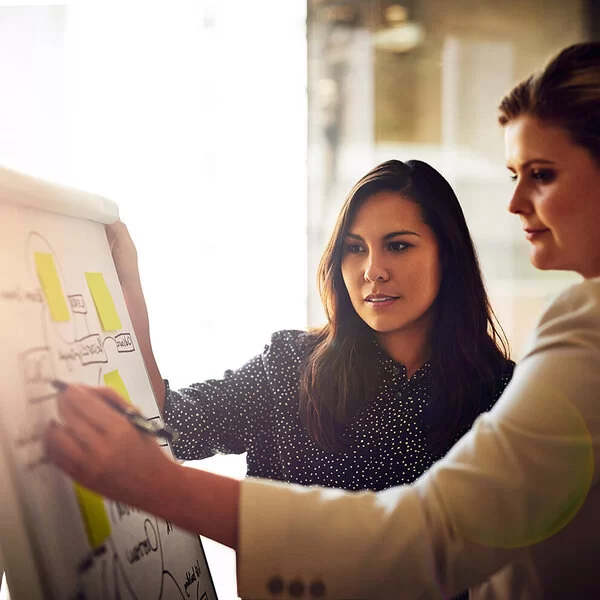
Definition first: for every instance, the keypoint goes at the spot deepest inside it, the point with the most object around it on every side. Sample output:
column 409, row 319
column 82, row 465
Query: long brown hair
column 469, row 350
column 565, row 93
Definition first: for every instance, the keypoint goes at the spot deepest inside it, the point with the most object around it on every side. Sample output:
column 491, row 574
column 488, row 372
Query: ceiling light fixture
column 399, row 35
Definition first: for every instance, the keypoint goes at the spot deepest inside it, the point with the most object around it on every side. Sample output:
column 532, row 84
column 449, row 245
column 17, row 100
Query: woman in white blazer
column 513, row 510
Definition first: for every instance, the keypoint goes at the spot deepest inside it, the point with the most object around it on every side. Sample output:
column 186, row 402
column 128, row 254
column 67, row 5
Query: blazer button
column 317, row 589
column 296, row 588
column 275, row 586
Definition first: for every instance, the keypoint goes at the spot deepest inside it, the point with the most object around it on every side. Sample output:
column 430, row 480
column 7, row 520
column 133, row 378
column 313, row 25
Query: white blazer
column 512, row 511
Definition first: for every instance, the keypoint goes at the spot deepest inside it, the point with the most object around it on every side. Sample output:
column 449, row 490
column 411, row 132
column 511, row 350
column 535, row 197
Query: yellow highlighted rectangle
column 48, row 275
column 105, row 307
column 94, row 515
column 113, row 380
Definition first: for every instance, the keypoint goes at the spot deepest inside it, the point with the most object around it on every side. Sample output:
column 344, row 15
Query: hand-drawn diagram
column 87, row 547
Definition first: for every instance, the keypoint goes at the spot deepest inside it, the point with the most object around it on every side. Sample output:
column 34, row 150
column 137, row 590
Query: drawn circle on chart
column 137, row 545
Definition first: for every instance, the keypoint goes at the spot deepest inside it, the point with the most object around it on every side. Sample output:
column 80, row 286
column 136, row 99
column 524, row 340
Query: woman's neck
column 409, row 347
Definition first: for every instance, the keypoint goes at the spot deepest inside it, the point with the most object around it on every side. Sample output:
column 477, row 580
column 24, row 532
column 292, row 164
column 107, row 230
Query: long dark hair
column 469, row 349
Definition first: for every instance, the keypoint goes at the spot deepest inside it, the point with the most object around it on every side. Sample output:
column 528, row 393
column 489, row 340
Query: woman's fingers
column 123, row 252
column 87, row 431
column 118, row 237
column 100, row 448
column 77, row 459
column 65, row 451
column 84, row 403
column 94, row 419
column 96, row 445
column 110, row 395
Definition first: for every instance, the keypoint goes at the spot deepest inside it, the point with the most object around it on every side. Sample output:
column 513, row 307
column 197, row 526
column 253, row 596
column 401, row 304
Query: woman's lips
column 380, row 301
column 532, row 234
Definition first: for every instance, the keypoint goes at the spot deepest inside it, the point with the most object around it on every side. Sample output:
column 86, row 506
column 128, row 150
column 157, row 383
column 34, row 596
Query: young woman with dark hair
column 408, row 358
column 465, row 350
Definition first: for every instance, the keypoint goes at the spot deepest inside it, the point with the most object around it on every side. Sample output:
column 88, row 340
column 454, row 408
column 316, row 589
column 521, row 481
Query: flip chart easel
column 63, row 316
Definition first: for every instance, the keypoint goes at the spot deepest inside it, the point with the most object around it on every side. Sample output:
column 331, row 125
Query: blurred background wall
column 422, row 79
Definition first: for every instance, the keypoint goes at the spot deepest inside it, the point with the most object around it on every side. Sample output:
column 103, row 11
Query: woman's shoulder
column 581, row 297
column 292, row 337
column 506, row 368
column 289, row 343
column 287, row 336
column 572, row 314
column 505, row 373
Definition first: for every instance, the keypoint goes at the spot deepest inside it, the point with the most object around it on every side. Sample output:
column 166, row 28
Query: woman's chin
column 541, row 260
column 545, row 264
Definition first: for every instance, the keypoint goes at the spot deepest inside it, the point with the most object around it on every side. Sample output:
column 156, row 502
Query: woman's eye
column 353, row 248
column 542, row 175
column 398, row 246
column 513, row 177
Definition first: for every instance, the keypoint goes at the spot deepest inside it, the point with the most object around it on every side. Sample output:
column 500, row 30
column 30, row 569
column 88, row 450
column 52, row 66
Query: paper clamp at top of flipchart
column 18, row 188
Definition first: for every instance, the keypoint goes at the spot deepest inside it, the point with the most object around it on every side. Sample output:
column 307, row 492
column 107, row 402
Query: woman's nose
column 376, row 271
column 519, row 203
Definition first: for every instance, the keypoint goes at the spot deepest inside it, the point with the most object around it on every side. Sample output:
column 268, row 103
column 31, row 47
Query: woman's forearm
column 142, row 332
column 136, row 304
column 125, row 259
column 198, row 501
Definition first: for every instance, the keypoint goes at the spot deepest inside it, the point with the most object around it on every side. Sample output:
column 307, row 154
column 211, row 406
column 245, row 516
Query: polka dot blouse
column 254, row 409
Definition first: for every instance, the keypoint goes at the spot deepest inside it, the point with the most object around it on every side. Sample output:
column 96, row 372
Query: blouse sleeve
column 226, row 415
column 492, row 498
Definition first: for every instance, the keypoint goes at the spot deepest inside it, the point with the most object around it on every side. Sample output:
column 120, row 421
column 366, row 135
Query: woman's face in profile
column 557, row 195
column 390, row 264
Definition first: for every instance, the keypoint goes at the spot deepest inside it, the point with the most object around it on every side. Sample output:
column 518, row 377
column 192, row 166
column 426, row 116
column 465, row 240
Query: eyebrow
column 387, row 236
column 530, row 162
